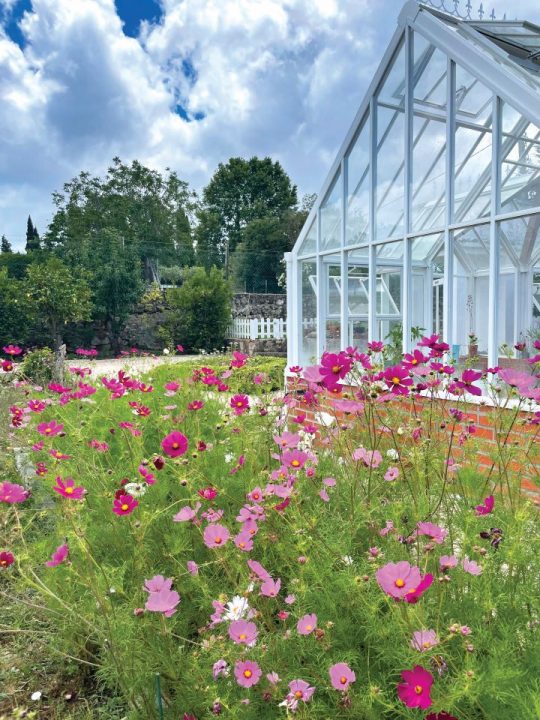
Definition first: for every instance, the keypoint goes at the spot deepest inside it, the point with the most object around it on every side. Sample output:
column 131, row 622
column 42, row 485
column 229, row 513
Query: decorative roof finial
column 456, row 12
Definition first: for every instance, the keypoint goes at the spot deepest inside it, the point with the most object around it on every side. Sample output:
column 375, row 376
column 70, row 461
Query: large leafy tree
column 57, row 296
column 240, row 192
column 151, row 212
column 14, row 310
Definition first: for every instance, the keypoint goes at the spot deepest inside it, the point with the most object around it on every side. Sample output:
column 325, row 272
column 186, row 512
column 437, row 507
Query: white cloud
column 277, row 77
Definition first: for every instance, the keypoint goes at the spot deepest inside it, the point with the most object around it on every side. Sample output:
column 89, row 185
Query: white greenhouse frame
column 468, row 236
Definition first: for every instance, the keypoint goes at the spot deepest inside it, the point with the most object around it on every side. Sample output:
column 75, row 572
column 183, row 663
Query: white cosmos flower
column 236, row 609
column 347, row 559
column 229, row 457
column 392, row 454
column 136, row 489
column 36, row 695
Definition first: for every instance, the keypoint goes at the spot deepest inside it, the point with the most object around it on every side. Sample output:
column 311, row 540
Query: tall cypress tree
column 5, row 245
column 32, row 236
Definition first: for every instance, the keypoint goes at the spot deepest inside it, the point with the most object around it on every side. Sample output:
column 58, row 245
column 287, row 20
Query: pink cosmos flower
column 391, row 474
column 259, row 570
column 208, row 493
column 174, row 444
column 66, row 488
column 423, row 640
column 239, row 359
column 334, row 367
column 295, row 459
column 215, row 535
column 370, row 458
column 11, row 493
column 124, row 505
column 192, row 567
column 416, row 593
column 12, row 349
column 307, row 624
column 6, row 559
column 58, row 556
column 50, row 429
column 398, row 379
column 195, row 405
column 436, row 533
column 341, row 676
column 398, row 579
column 270, row 588
column 240, row 404
column 36, row 406
column 57, row 455
column 523, row 382
column 301, row 690
column 244, row 542
column 247, row 673
column 220, row 668
column 186, row 513
column 447, row 561
column 468, row 377
column 287, row 440
column 487, row 507
column 273, row 678
column 471, row 567
column 243, row 632
column 161, row 597
column 415, row 690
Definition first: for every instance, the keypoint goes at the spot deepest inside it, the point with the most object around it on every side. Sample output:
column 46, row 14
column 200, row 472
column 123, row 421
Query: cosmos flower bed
column 209, row 552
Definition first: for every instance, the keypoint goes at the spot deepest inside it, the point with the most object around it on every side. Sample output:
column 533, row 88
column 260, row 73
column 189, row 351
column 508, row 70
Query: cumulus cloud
column 209, row 79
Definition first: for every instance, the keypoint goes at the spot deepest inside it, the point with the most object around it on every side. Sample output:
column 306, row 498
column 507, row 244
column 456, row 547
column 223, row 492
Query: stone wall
column 253, row 305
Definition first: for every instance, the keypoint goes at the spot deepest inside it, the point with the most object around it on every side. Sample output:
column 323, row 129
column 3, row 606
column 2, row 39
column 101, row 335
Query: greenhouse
column 429, row 219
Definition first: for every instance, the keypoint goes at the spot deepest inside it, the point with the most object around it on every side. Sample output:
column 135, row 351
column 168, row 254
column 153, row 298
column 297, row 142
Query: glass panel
column 428, row 173
column 331, row 216
column 358, row 188
column 358, row 298
column 309, row 244
column 308, row 341
column 332, row 273
column 393, row 88
column 519, row 307
column 473, row 99
column 472, row 173
column 520, row 172
column 390, row 160
column 389, row 271
column 430, row 67
column 427, row 254
column 471, row 287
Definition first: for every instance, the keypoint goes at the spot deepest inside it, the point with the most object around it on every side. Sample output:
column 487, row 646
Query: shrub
column 38, row 366
column 369, row 558
column 200, row 310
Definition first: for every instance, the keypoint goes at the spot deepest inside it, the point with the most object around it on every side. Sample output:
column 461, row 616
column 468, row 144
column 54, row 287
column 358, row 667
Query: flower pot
column 473, row 351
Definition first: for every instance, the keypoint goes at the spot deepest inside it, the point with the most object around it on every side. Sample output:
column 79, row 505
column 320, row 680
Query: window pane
column 473, row 99
column 520, row 172
column 331, row 216
column 393, row 88
column 472, row 173
column 308, row 342
column 390, row 159
column 430, row 67
column 471, row 286
column 358, row 188
column 389, row 272
column 358, row 283
column 427, row 288
column 332, row 273
column 309, row 244
column 428, row 173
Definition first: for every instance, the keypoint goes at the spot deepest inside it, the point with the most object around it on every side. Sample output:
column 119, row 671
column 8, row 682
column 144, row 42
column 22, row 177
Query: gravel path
column 132, row 364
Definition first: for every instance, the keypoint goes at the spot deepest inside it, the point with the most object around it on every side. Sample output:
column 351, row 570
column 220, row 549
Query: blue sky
column 184, row 84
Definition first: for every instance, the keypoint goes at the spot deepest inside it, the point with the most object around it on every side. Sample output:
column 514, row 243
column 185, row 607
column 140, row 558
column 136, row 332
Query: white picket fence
column 257, row 329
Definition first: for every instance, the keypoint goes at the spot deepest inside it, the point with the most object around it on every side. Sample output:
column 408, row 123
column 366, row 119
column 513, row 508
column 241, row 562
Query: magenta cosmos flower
column 307, row 624
column 398, row 579
column 50, row 429
column 301, row 690
column 468, row 377
column 66, row 488
column 215, row 535
column 247, row 673
column 416, row 593
column 487, row 506
column 398, row 379
column 341, row 676
column 243, row 632
column 12, row 349
column 6, row 559
column 240, row 404
column 124, row 505
column 423, row 640
column 334, row 367
column 11, row 493
column 58, row 556
column 414, row 691
column 174, row 444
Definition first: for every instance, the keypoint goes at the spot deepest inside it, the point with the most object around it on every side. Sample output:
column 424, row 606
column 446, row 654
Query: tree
column 14, row 311
column 57, row 296
column 242, row 191
column 150, row 211
column 32, row 236
column 5, row 246
column 200, row 310
column 209, row 243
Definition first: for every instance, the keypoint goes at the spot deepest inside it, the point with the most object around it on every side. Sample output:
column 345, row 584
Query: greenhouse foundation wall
column 522, row 435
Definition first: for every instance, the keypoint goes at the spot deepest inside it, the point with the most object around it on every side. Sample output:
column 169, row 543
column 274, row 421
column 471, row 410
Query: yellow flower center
column 299, row 694
column 242, row 637
column 48, row 430
column 418, row 689
column 295, row 463
column 68, row 490
column 242, row 544
column 3, row 562
column 336, row 369
column 217, row 540
column 343, row 679
column 309, row 627
column 414, row 362
column 426, row 644
column 395, row 380
column 247, row 673
column 124, row 506
column 239, row 403
column 175, row 446
column 399, row 583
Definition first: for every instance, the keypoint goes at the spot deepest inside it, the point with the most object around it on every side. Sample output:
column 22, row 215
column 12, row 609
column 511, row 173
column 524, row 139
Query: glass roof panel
column 473, row 99
column 309, row 245
column 429, row 73
column 331, row 216
column 393, row 88
column 520, row 172
column 358, row 188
